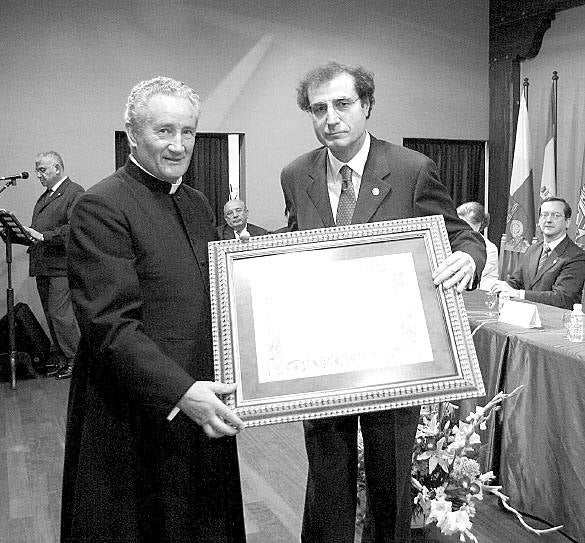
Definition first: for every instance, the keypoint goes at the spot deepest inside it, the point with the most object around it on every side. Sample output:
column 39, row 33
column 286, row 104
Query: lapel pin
column 375, row 191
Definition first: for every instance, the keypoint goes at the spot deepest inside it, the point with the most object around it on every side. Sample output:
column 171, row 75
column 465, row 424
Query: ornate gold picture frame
column 339, row 321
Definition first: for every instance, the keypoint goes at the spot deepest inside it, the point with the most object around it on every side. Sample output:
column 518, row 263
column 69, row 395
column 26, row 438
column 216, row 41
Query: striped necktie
column 346, row 204
column 543, row 257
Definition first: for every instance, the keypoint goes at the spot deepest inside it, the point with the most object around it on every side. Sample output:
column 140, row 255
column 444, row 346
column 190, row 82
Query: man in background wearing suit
column 48, row 256
column 356, row 178
column 237, row 226
column 552, row 271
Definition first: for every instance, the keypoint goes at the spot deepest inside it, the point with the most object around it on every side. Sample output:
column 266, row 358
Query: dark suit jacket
column 138, row 272
column 51, row 217
column 397, row 183
column 226, row 232
column 559, row 282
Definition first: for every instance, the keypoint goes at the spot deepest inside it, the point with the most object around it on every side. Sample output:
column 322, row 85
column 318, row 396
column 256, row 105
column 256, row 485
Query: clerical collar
column 168, row 188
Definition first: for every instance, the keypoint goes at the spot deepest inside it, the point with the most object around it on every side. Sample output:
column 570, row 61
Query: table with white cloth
column 536, row 444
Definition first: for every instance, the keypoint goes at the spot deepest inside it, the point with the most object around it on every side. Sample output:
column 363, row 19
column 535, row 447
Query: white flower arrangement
column 446, row 476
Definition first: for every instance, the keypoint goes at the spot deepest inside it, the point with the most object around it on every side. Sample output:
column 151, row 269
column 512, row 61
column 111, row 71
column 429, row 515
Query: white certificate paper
column 296, row 339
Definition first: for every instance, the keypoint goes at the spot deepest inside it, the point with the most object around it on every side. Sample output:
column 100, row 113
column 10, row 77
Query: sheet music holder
column 18, row 234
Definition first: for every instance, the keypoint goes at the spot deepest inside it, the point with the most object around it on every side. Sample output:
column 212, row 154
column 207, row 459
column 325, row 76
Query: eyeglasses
column 234, row 212
column 340, row 105
column 554, row 215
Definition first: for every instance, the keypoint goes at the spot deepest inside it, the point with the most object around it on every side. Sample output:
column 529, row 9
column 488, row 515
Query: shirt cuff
column 470, row 284
column 174, row 412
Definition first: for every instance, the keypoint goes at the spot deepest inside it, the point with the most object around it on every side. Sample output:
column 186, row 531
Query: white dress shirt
column 357, row 165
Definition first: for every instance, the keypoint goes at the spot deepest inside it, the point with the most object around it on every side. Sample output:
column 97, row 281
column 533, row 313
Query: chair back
column 510, row 253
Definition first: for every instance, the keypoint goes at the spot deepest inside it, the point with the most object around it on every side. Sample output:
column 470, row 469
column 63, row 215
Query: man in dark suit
column 141, row 463
column 237, row 226
column 320, row 190
column 48, row 256
column 552, row 271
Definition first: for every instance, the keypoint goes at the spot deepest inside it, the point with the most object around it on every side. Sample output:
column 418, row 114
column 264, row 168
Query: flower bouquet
column 446, row 476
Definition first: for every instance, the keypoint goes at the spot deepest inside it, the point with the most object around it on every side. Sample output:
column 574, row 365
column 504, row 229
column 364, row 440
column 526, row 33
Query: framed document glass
column 339, row 321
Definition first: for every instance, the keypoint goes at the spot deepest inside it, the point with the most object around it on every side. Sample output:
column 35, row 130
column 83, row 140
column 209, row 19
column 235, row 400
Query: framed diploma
column 339, row 321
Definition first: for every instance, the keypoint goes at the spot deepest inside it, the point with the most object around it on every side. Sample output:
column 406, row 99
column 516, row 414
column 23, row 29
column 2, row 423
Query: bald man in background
column 235, row 214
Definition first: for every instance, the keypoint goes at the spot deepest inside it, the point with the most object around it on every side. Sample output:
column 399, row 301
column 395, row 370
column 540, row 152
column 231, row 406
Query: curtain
column 460, row 163
column 208, row 171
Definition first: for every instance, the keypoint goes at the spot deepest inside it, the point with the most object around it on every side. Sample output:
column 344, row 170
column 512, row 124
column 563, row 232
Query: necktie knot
column 345, row 172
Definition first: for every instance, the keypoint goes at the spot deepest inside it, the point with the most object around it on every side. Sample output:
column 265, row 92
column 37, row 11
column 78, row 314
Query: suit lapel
column 43, row 201
column 552, row 259
column 317, row 188
column 59, row 192
column 375, row 185
column 228, row 233
column 374, row 188
column 533, row 264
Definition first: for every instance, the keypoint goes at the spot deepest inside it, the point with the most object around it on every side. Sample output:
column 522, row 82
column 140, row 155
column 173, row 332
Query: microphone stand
column 12, row 353
column 10, row 182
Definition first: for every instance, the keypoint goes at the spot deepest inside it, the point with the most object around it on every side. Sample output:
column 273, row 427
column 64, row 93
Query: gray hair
column 53, row 155
column 134, row 115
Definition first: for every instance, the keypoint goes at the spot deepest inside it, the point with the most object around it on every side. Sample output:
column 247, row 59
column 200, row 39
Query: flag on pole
column 580, row 220
column 548, row 182
column 520, row 217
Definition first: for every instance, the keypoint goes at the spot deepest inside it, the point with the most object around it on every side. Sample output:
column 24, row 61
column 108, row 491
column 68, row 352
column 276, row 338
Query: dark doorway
column 461, row 165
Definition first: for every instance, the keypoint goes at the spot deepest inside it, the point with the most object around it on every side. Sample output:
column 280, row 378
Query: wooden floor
column 272, row 463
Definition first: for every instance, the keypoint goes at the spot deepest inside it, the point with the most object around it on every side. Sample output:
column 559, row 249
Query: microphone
column 22, row 175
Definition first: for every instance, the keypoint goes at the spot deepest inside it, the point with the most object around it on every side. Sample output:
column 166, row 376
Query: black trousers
column 330, row 501
column 56, row 301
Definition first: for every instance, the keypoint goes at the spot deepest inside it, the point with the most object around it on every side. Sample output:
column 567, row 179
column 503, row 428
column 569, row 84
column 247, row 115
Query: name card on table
column 520, row 314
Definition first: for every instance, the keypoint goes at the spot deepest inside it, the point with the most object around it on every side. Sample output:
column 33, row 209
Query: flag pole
column 548, row 178
column 555, row 79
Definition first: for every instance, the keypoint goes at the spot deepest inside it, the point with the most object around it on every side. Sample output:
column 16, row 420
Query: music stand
column 11, row 232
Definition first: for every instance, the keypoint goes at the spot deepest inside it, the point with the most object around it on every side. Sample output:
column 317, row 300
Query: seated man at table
column 552, row 271
column 237, row 226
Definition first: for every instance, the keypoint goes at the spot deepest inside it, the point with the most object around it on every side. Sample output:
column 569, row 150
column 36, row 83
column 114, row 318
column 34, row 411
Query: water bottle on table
column 577, row 327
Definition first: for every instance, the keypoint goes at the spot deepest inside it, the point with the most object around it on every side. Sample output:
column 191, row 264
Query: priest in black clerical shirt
column 142, row 462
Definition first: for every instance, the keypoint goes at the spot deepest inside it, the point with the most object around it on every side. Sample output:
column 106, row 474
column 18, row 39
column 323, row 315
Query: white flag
column 548, row 182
